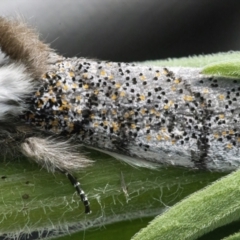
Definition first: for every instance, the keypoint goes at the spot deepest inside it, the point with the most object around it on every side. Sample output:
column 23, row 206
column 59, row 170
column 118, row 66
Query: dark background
column 132, row 30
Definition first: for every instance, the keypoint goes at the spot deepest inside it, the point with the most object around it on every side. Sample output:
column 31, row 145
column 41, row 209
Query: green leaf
column 235, row 236
column 196, row 61
column 219, row 64
column 111, row 231
column 203, row 211
column 224, row 69
column 34, row 200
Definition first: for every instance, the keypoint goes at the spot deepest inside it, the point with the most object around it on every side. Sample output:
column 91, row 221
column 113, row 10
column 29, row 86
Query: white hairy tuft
column 53, row 154
column 15, row 85
column 3, row 58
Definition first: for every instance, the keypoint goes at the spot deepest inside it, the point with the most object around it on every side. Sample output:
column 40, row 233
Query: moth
column 141, row 114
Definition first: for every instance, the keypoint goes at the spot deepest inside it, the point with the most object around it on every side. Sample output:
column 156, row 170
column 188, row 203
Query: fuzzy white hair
column 15, row 85
column 3, row 58
column 54, row 155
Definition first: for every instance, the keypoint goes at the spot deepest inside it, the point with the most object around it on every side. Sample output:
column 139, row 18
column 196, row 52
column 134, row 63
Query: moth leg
column 79, row 190
column 56, row 155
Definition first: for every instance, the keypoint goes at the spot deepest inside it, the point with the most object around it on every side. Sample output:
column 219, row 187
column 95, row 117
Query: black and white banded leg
column 80, row 192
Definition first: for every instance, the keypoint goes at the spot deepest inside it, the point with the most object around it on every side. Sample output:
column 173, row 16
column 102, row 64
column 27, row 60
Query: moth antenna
column 79, row 190
column 21, row 43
